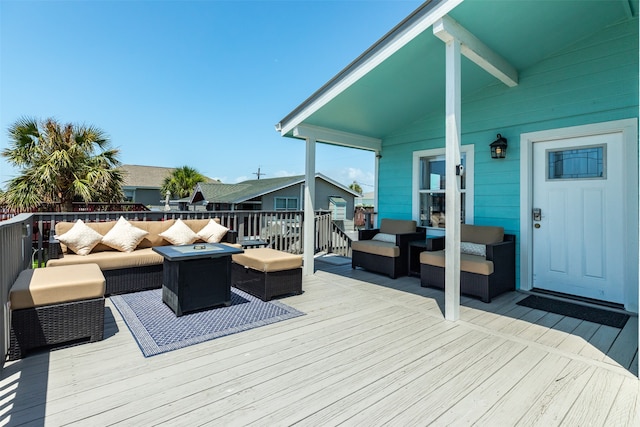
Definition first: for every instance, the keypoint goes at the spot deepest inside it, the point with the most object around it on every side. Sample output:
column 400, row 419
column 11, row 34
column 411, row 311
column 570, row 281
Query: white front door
column 578, row 216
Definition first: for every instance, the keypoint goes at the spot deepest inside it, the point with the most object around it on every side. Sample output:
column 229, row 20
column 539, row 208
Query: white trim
column 469, row 151
column 336, row 137
column 629, row 129
column 447, row 29
column 393, row 42
column 376, row 177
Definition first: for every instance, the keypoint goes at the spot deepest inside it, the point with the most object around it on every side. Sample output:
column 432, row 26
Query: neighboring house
column 142, row 184
column 365, row 199
column 557, row 79
column 275, row 194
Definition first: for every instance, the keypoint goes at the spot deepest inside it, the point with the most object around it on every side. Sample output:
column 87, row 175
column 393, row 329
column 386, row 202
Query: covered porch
column 456, row 75
column 369, row 351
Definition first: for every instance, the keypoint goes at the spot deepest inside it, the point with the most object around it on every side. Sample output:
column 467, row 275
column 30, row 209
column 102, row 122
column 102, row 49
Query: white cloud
column 283, row 173
column 347, row 175
column 240, row 179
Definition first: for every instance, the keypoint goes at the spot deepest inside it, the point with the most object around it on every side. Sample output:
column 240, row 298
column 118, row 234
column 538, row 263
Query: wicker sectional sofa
column 125, row 271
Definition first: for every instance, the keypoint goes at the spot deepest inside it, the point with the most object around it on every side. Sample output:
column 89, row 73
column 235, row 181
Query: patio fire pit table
column 197, row 276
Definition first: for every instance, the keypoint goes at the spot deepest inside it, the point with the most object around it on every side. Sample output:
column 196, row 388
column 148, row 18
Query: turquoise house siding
column 595, row 80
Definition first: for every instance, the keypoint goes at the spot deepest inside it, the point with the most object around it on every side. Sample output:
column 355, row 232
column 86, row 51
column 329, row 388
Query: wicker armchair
column 487, row 263
column 385, row 250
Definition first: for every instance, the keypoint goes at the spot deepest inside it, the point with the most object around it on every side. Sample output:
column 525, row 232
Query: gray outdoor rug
column 334, row 259
column 157, row 329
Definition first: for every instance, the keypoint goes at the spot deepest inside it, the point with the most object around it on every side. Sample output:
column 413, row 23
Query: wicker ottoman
column 58, row 305
column 266, row 273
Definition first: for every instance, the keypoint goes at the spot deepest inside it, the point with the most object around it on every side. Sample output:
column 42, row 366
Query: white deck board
column 429, row 400
column 558, row 398
column 433, row 368
column 368, row 351
column 591, row 407
column 511, row 405
column 628, row 338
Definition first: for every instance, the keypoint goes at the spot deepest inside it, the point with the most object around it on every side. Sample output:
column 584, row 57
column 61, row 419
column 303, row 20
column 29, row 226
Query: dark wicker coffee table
column 196, row 277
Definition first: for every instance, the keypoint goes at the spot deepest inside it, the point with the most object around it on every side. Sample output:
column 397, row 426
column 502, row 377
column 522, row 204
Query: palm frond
column 61, row 162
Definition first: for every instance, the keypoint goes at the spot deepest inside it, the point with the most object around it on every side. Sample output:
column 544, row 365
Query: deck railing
column 330, row 238
column 281, row 229
column 15, row 256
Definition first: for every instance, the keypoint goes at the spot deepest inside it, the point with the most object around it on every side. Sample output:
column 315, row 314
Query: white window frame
column 287, row 199
column 469, row 152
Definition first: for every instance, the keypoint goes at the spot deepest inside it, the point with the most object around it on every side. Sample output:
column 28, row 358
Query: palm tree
column 356, row 187
column 182, row 181
column 60, row 164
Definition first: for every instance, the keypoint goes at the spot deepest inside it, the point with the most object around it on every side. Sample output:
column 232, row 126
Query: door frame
column 629, row 129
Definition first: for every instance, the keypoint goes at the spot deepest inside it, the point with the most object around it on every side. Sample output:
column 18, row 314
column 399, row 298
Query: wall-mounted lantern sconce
column 499, row 148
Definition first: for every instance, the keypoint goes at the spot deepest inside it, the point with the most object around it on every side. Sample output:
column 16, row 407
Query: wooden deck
column 369, row 351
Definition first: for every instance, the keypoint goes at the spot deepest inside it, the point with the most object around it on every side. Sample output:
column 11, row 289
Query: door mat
column 578, row 311
column 156, row 328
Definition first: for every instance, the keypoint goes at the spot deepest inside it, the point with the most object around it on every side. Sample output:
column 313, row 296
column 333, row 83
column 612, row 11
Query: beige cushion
column 268, row 260
column 213, row 232
column 484, row 234
column 469, row 263
column 376, row 248
column 46, row 286
column 80, row 238
column 124, row 236
column 179, row 234
column 397, row 226
column 154, row 228
column 112, row 260
column 101, row 227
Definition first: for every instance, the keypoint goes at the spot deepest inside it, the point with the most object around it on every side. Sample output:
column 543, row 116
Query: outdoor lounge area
column 370, row 350
column 504, row 137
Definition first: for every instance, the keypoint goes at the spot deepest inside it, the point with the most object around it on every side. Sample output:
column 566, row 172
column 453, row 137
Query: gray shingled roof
column 247, row 190
column 146, row 176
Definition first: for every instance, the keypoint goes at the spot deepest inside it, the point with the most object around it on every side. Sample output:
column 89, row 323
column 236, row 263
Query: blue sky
column 197, row 83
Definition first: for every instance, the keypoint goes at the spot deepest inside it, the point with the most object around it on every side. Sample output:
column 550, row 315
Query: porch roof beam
column 330, row 136
column 447, row 29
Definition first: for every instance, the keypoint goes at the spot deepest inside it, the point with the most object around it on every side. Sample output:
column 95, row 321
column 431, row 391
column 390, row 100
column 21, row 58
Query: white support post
column 452, row 197
column 376, row 176
column 309, row 208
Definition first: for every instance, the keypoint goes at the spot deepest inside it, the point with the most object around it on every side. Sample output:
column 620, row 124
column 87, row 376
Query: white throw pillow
column 384, row 237
column 212, row 232
column 80, row 238
column 179, row 234
column 473, row 248
column 124, row 236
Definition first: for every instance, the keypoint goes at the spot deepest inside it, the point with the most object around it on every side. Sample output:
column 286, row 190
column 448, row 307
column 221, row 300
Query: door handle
column 537, row 214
